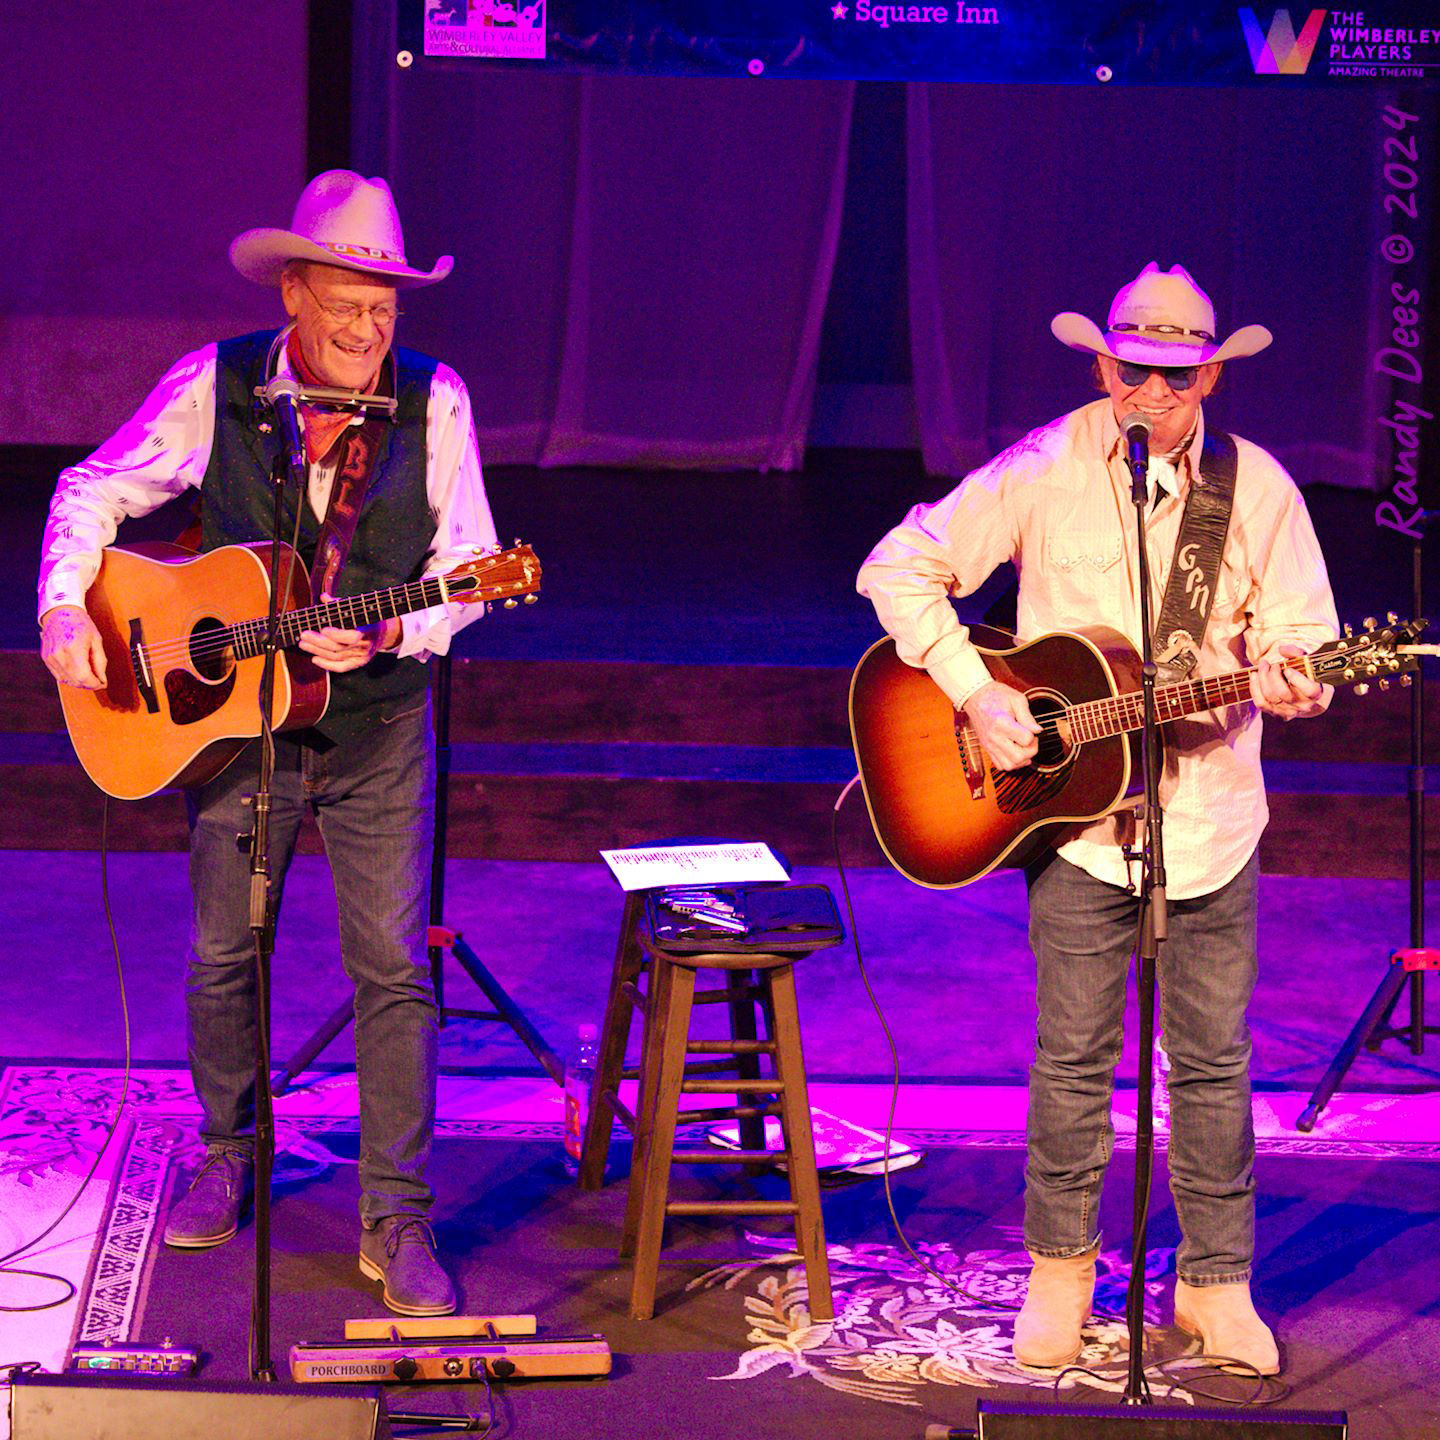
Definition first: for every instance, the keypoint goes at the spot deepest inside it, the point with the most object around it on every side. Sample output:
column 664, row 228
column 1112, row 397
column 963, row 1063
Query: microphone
column 282, row 395
column 1136, row 428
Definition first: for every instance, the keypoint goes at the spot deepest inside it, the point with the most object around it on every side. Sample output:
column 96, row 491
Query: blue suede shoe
column 209, row 1211
column 400, row 1250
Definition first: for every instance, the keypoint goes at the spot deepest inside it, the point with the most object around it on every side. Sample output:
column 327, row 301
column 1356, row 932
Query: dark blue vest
column 392, row 539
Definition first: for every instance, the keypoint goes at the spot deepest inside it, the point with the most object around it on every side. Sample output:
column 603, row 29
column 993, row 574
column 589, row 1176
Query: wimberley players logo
column 486, row 29
column 1356, row 43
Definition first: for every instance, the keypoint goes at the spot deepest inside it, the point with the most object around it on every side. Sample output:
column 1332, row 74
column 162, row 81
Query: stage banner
column 1197, row 42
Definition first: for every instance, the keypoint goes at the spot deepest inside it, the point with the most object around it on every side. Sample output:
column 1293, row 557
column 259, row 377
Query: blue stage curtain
column 1023, row 202
column 642, row 265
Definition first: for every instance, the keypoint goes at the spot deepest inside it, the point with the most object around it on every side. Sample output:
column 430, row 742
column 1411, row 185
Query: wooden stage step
column 557, row 760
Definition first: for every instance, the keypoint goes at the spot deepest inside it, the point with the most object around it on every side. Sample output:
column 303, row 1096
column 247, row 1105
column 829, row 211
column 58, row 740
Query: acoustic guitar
column 945, row 816
column 184, row 638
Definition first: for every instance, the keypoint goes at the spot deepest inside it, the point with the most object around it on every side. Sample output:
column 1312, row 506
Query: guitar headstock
column 1376, row 654
column 497, row 575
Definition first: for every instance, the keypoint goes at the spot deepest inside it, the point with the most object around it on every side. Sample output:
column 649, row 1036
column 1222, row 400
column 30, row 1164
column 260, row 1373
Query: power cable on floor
column 1267, row 1390
column 6, row 1267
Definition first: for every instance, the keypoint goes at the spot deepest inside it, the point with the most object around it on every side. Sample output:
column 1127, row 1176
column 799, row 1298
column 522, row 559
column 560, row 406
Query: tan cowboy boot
column 1057, row 1304
column 1223, row 1319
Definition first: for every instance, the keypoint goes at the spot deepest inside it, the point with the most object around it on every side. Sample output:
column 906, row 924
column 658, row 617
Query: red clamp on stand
column 1414, row 960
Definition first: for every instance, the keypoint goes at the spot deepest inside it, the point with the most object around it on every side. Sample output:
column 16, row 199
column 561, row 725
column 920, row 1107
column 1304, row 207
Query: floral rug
column 906, row 1322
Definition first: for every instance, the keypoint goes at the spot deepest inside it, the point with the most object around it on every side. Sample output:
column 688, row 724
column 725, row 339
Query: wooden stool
column 764, row 976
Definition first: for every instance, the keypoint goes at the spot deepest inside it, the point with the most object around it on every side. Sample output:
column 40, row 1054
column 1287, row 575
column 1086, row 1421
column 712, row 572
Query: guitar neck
column 350, row 613
column 1117, row 714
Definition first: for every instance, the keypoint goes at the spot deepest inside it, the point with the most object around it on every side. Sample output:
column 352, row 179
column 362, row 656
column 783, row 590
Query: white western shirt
column 1057, row 504
column 164, row 448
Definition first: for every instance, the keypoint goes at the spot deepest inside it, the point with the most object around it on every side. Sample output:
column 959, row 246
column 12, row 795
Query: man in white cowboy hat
column 387, row 498
column 1057, row 505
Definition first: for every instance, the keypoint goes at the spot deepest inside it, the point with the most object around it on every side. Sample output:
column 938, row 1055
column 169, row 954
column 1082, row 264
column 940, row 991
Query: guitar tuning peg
column 1368, row 622
column 1362, row 689
column 1391, row 618
column 531, row 599
column 511, row 603
column 1383, row 684
column 1349, row 633
column 1405, row 680
column 516, row 542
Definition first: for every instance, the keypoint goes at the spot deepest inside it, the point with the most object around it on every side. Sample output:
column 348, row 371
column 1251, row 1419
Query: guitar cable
column 947, row 1282
column 1265, row 1390
column 6, row 1267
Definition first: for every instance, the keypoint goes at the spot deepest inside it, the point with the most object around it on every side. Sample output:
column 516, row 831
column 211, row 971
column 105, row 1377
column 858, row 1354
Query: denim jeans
column 1083, row 934
column 374, row 800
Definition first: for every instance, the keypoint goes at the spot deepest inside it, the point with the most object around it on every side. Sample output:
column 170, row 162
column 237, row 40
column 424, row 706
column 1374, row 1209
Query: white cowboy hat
column 340, row 219
column 1162, row 317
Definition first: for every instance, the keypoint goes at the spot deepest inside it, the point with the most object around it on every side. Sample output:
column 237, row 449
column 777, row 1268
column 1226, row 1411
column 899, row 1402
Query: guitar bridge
column 144, row 680
column 972, row 757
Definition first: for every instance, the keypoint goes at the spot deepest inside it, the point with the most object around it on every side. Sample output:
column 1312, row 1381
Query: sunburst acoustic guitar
column 184, row 638
column 945, row 816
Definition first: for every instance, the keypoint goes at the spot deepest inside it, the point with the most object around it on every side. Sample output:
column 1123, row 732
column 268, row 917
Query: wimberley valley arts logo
column 1355, row 44
column 486, row 29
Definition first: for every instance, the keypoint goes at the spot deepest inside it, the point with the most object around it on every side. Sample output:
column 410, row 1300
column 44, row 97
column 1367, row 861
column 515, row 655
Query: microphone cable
column 947, row 1282
column 1264, row 1389
column 6, row 1267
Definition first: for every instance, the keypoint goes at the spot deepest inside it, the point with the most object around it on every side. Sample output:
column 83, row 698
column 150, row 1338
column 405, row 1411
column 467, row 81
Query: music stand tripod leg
column 344, row 1013
column 1381, row 1003
column 441, row 937
column 508, row 1010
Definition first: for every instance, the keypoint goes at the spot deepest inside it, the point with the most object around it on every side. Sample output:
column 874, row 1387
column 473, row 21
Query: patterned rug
column 909, row 1325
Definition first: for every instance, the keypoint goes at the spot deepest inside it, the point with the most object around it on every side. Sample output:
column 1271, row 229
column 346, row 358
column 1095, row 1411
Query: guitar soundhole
column 1045, row 776
column 1054, row 738
column 210, row 654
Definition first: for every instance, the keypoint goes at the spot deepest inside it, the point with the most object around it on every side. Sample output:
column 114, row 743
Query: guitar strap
column 1195, row 569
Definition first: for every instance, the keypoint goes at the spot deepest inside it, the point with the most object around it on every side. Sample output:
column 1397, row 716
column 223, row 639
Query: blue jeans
column 1083, row 934
column 374, row 798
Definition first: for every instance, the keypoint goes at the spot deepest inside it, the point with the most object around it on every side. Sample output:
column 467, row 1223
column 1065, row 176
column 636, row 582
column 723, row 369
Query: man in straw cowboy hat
column 387, row 497
column 1057, row 505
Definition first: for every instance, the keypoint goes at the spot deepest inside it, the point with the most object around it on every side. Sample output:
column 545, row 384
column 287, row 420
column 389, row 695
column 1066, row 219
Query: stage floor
column 711, row 570
column 1348, row 1239
column 1348, row 1225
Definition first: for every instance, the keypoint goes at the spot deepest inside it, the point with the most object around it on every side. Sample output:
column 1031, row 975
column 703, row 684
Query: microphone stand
column 288, row 467
column 1154, row 930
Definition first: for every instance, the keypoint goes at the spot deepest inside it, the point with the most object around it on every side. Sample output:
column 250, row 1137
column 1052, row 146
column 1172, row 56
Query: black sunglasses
column 1177, row 377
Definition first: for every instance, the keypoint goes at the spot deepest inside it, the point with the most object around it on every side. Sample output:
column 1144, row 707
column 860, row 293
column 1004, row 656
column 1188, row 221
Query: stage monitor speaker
column 124, row 1407
column 1153, row 1422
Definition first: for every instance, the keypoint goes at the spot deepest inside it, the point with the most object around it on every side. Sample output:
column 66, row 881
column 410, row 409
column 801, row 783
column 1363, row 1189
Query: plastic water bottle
column 579, row 1076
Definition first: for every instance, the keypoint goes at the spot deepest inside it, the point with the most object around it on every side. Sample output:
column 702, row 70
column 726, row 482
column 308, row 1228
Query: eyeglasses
column 1177, row 377
column 344, row 311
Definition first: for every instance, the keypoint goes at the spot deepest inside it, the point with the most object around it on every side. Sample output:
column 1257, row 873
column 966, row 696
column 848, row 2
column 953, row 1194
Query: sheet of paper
column 645, row 869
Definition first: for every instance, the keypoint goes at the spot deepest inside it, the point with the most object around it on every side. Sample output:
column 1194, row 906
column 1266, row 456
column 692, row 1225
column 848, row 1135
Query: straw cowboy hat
column 1162, row 317
column 340, row 219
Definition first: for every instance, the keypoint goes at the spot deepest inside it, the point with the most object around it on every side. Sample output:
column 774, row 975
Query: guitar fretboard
column 1116, row 714
column 248, row 636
